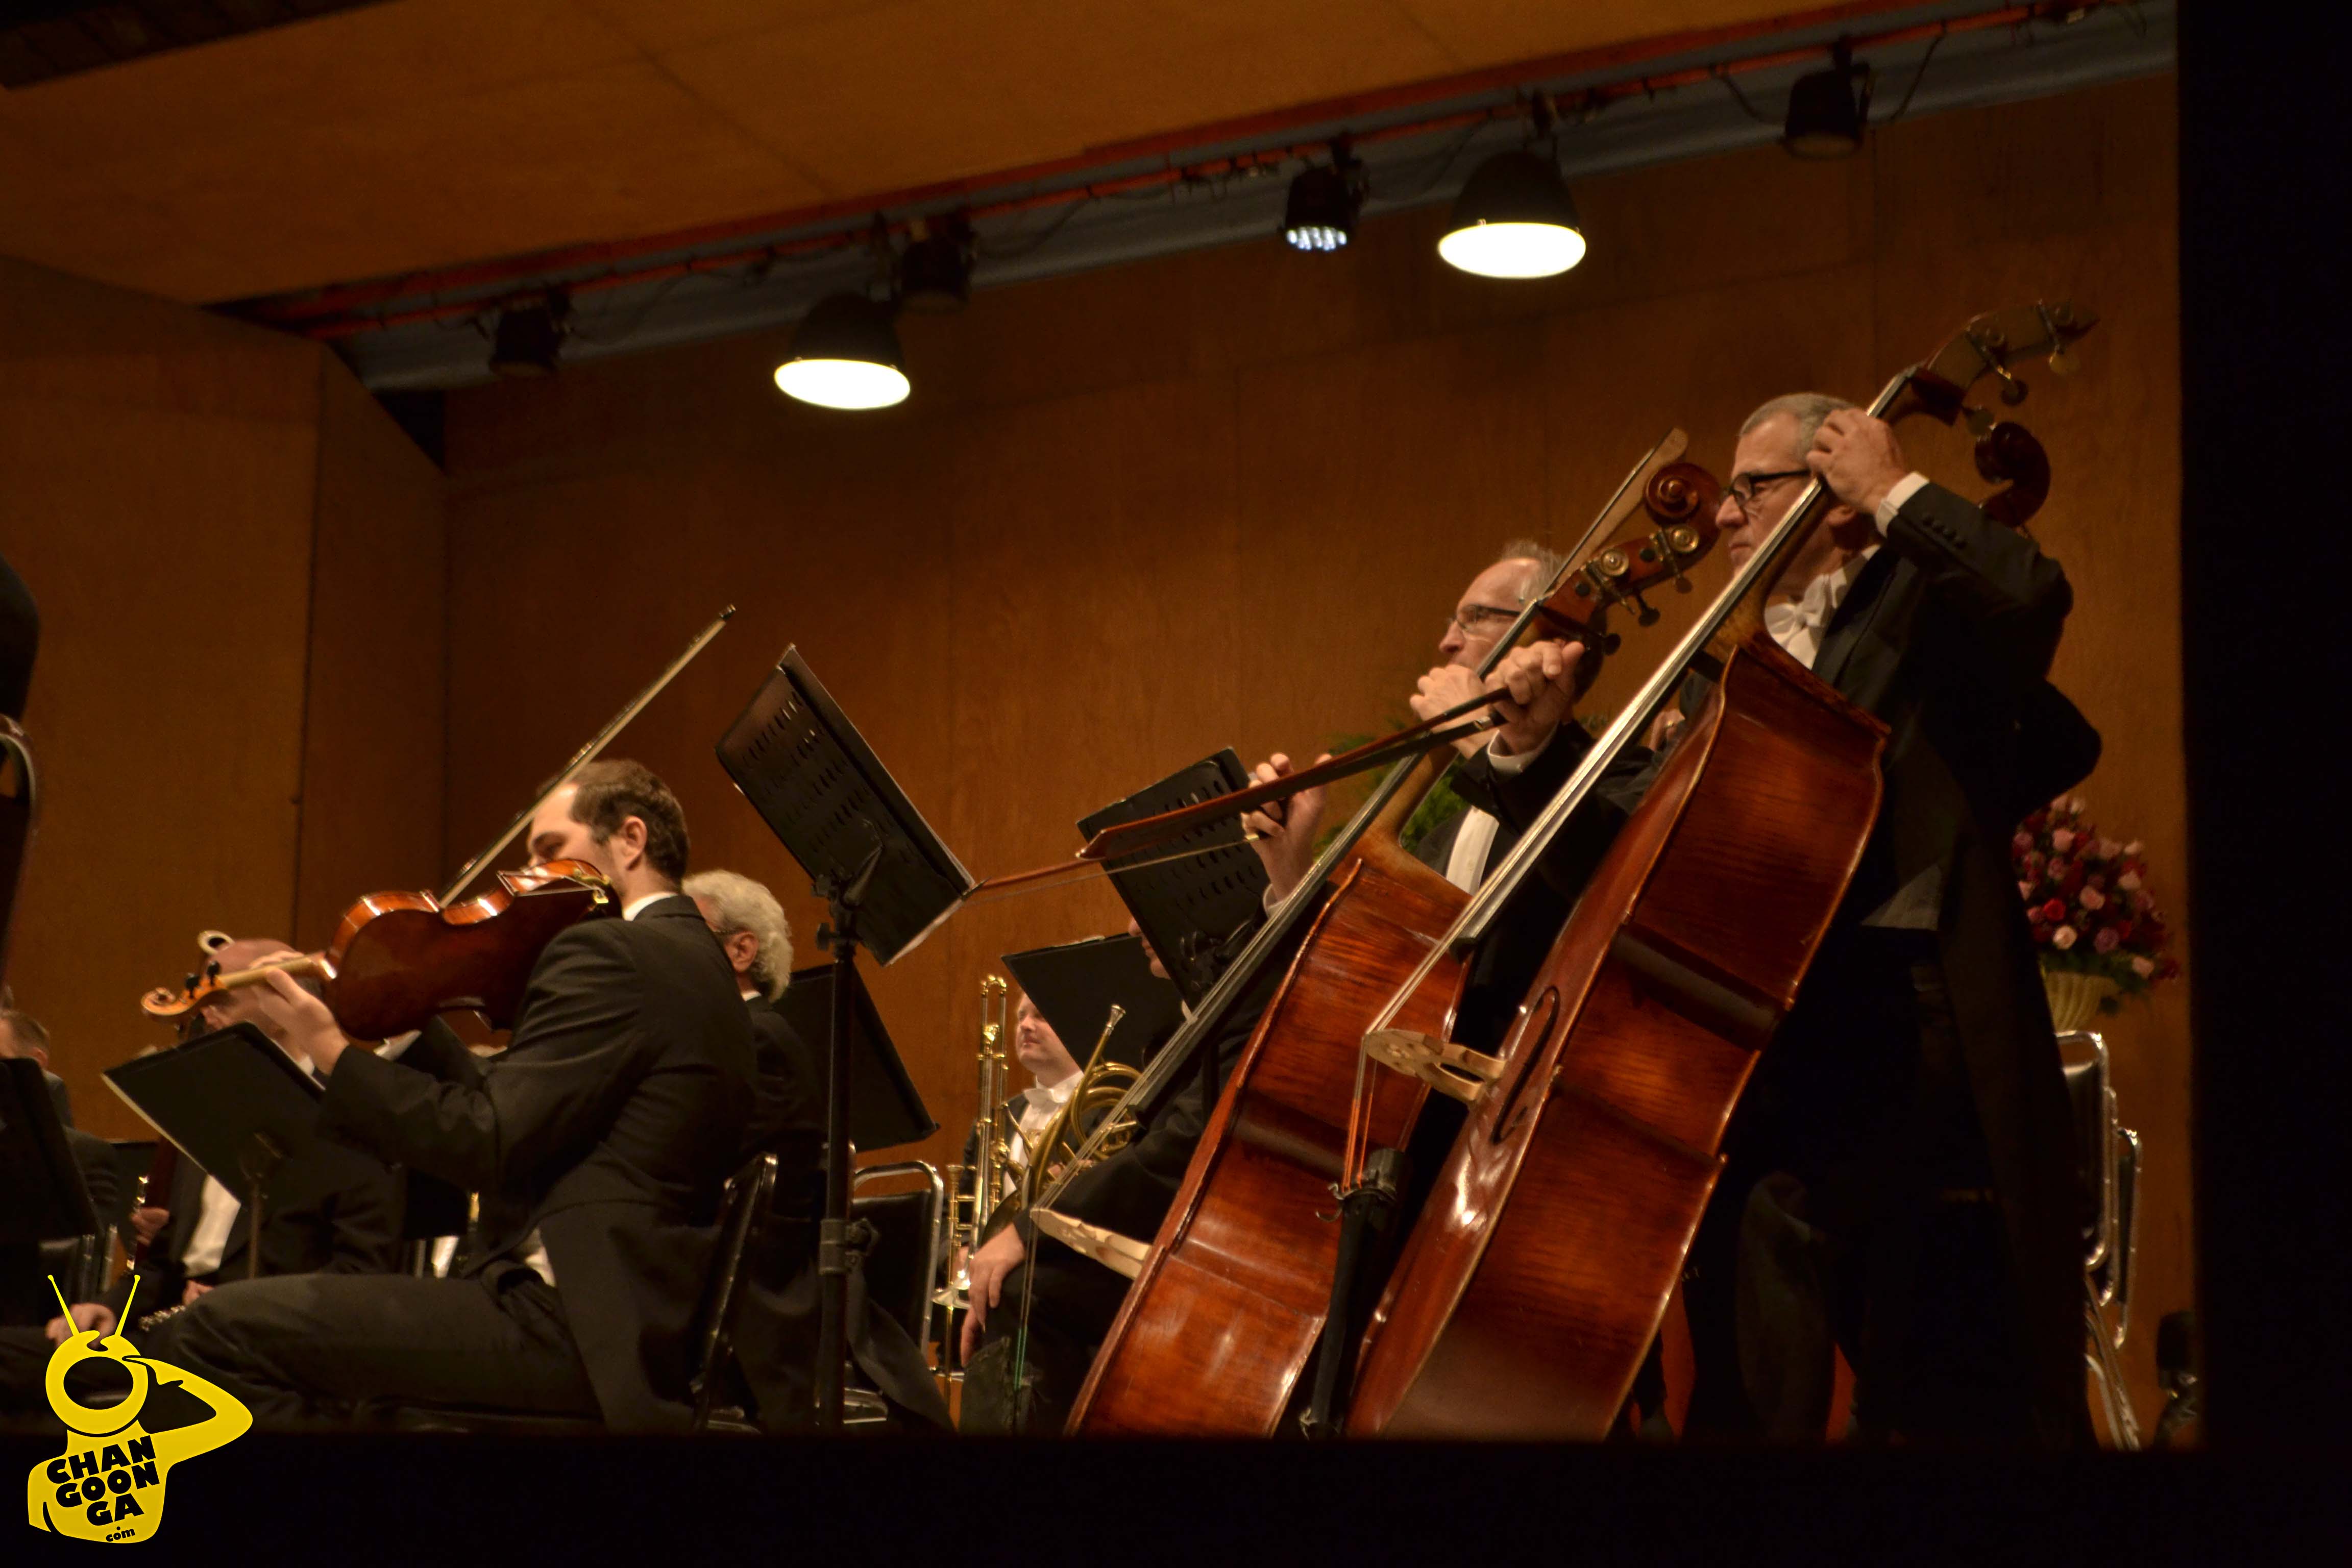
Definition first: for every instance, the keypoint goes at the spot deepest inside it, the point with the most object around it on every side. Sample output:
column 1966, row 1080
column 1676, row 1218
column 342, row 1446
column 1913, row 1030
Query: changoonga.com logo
column 108, row 1484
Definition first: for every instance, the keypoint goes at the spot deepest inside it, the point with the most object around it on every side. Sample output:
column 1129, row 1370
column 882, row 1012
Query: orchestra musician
column 1061, row 1306
column 1900, row 1180
column 598, row 1143
column 329, row 1209
column 775, row 1337
column 788, row 1112
column 25, row 1268
column 1054, row 1075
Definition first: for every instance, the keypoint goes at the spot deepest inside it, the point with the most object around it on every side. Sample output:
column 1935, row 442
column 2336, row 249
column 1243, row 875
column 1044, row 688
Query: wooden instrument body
column 1231, row 1299
column 398, row 959
column 1528, row 1293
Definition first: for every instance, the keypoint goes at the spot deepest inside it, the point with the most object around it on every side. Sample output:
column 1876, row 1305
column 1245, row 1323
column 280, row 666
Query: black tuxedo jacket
column 787, row 1097
column 1947, row 635
column 27, row 1268
column 328, row 1209
column 610, row 1125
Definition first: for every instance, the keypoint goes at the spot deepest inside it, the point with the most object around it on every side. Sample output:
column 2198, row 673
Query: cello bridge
column 1449, row 1069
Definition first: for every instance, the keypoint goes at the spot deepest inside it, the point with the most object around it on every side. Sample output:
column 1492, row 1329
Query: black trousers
column 309, row 1347
column 1024, row 1375
column 1856, row 1214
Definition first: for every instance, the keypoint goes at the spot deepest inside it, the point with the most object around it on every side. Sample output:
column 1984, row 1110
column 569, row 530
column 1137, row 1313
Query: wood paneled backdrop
column 1132, row 516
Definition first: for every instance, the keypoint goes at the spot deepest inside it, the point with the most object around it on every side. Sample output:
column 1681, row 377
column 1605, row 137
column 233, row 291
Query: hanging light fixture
column 845, row 355
column 1829, row 109
column 1325, row 201
column 1514, row 220
column 935, row 269
column 531, row 333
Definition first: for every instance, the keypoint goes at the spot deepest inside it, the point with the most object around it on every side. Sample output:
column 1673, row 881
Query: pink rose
column 2092, row 899
column 2022, row 843
column 2063, row 938
column 2107, row 849
column 2025, row 889
column 2133, row 848
column 2142, row 967
column 2104, row 941
column 2062, row 839
column 2129, row 881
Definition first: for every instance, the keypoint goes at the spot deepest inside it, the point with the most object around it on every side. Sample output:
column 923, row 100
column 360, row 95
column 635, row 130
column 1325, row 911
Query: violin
column 399, row 959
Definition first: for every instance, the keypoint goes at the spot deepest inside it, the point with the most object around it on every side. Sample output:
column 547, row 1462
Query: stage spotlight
column 530, row 335
column 845, row 355
column 1514, row 220
column 1828, row 110
column 935, row 271
column 1324, row 203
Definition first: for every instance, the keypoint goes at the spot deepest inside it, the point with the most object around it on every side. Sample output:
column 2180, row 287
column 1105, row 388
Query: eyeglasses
column 1474, row 620
column 1743, row 487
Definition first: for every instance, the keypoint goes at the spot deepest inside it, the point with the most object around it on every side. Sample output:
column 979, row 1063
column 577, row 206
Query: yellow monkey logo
column 109, row 1483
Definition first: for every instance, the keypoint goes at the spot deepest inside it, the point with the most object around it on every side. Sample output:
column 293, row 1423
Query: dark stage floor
column 410, row 1498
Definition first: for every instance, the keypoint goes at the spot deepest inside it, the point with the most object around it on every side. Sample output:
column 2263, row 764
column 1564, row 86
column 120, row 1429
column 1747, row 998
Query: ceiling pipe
column 339, row 311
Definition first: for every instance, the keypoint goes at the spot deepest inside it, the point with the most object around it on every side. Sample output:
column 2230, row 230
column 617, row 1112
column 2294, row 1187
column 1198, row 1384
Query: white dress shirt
column 215, row 1217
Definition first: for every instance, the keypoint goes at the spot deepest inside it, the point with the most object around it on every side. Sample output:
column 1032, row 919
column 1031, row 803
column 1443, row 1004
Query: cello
column 1536, row 1279
column 1231, row 1298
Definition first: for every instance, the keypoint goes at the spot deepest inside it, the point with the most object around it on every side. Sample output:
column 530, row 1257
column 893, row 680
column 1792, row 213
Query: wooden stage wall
column 236, row 710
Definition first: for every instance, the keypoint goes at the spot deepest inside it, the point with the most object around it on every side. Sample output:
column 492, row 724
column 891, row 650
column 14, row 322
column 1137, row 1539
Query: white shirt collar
column 1799, row 626
column 1059, row 1093
column 637, row 906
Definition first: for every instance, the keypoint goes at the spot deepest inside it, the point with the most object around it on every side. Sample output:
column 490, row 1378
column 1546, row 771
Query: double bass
column 1231, row 1298
column 1528, row 1292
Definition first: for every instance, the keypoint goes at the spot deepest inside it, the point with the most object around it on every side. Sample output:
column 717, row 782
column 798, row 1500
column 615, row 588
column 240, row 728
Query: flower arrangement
column 2087, row 901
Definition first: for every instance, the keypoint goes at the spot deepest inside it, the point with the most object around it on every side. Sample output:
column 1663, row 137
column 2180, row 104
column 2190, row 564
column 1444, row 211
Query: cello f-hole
column 1532, row 1055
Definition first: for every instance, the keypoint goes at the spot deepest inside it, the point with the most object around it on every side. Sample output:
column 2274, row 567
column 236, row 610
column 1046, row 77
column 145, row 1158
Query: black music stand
column 885, row 1108
column 232, row 1101
column 886, row 881
column 1190, row 897
column 1075, row 985
column 47, row 1200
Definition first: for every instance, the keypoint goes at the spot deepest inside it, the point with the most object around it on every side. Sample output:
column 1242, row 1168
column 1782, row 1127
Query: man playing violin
column 597, row 1144
column 1899, row 1180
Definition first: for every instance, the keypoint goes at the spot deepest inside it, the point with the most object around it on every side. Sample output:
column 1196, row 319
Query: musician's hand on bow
column 1858, row 458
column 147, row 1224
column 191, row 1291
column 304, row 1027
column 1535, row 689
column 1283, row 831
column 86, row 1315
column 998, row 1257
column 1446, row 687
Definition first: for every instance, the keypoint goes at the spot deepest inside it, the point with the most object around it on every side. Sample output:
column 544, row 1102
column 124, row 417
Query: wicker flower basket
column 2075, row 997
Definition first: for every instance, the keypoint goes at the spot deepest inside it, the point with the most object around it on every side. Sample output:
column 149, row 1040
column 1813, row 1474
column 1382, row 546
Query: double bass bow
column 399, row 959
column 1229, row 1299
column 1530, row 1291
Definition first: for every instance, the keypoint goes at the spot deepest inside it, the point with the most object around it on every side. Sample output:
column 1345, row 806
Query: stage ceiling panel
column 424, row 132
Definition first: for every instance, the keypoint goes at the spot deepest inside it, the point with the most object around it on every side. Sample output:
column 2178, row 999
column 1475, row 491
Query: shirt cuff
column 1511, row 764
column 1906, row 486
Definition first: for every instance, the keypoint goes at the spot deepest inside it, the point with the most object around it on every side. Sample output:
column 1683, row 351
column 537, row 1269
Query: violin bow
column 586, row 754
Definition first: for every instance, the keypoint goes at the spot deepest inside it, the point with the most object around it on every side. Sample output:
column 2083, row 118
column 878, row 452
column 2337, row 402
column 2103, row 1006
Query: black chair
column 743, row 1213
column 2108, row 1158
column 901, row 1263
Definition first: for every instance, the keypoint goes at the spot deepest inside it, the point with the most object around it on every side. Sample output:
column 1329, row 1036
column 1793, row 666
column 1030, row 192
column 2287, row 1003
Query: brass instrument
column 974, row 1190
column 1099, row 1089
